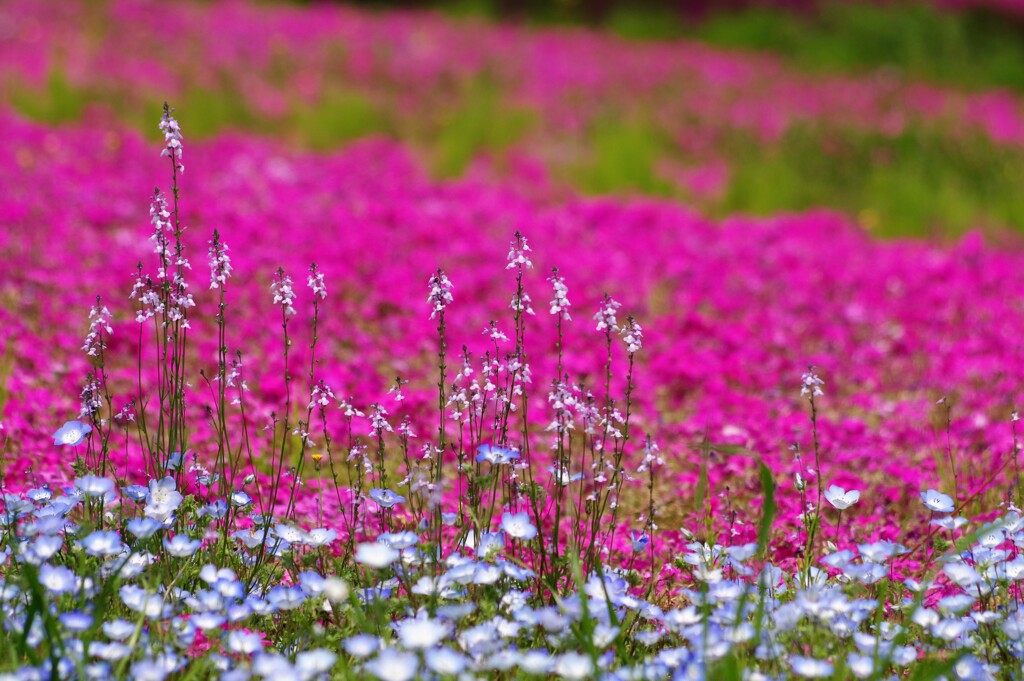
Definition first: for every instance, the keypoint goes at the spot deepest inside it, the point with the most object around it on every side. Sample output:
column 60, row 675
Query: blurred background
column 905, row 115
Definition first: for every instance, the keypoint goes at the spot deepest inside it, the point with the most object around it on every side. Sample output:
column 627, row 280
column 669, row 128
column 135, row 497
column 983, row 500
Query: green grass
column 922, row 182
column 621, row 156
column 974, row 49
column 929, row 180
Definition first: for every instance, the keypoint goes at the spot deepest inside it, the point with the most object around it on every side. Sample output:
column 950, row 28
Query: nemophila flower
column 950, row 523
column 240, row 499
column 135, row 492
column 810, row 668
column 321, row 536
column 445, row 661
column 399, row 540
column 880, row 551
column 393, row 665
column 421, row 632
column 57, row 579
column 518, row 525
column 163, row 499
column 290, row 533
column 361, row 645
column 573, row 665
column 243, row 642
column 496, row 455
column 385, row 497
column 43, row 493
column 937, row 501
column 539, row 662
column 840, row 498
column 490, row 544
column 310, row 663
column 173, row 462
column 562, row 476
column 181, row 546
column 100, row 543
column 44, row 547
column 375, row 555
column 76, row 622
column 208, row 620
column 214, row 510
column 252, row 537
column 141, row 601
column 71, row 433
column 93, row 486
column 286, row 597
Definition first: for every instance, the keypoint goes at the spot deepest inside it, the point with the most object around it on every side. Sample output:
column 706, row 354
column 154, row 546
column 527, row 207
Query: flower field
column 393, row 377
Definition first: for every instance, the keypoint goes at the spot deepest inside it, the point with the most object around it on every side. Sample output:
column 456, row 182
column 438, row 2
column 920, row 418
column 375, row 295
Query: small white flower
column 840, row 498
column 421, row 632
column 376, row 555
column 811, row 385
column 937, row 501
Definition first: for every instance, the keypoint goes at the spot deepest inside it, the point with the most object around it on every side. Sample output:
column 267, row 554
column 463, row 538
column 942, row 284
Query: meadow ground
column 516, row 381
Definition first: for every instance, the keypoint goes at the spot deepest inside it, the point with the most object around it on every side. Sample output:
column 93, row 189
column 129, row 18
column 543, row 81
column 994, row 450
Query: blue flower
column 40, row 493
column 181, row 546
column 518, row 525
column 57, row 579
column 399, row 540
column 562, row 477
column 392, row 665
column 244, row 642
column 321, row 536
column 163, row 499
column 94, row 486
column 135, row 492
column 385, row 497
column 240, row 499
column 76, row 622
column 101, row 543
column 495, row 455
column 937, row 501
column 215, row 509
column 173, row 461
column 286, row 597
column 361, row 645
column 71, row 433
column 490, row 543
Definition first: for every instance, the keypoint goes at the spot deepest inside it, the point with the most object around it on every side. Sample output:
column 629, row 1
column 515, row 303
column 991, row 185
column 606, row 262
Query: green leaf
column 764, row 530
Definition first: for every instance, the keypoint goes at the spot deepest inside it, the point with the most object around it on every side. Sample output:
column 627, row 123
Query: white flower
column 574, row 666
column 937, row 501
column 810, row 668
column 392, row 665
column 284, row 295
column 811, row 387
column 518, row 525
column 560, row 303
column 440, row 293
column 605, row 316
column 632, row 335
column 840, row 498
column 421, row 633
column 376, row 555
